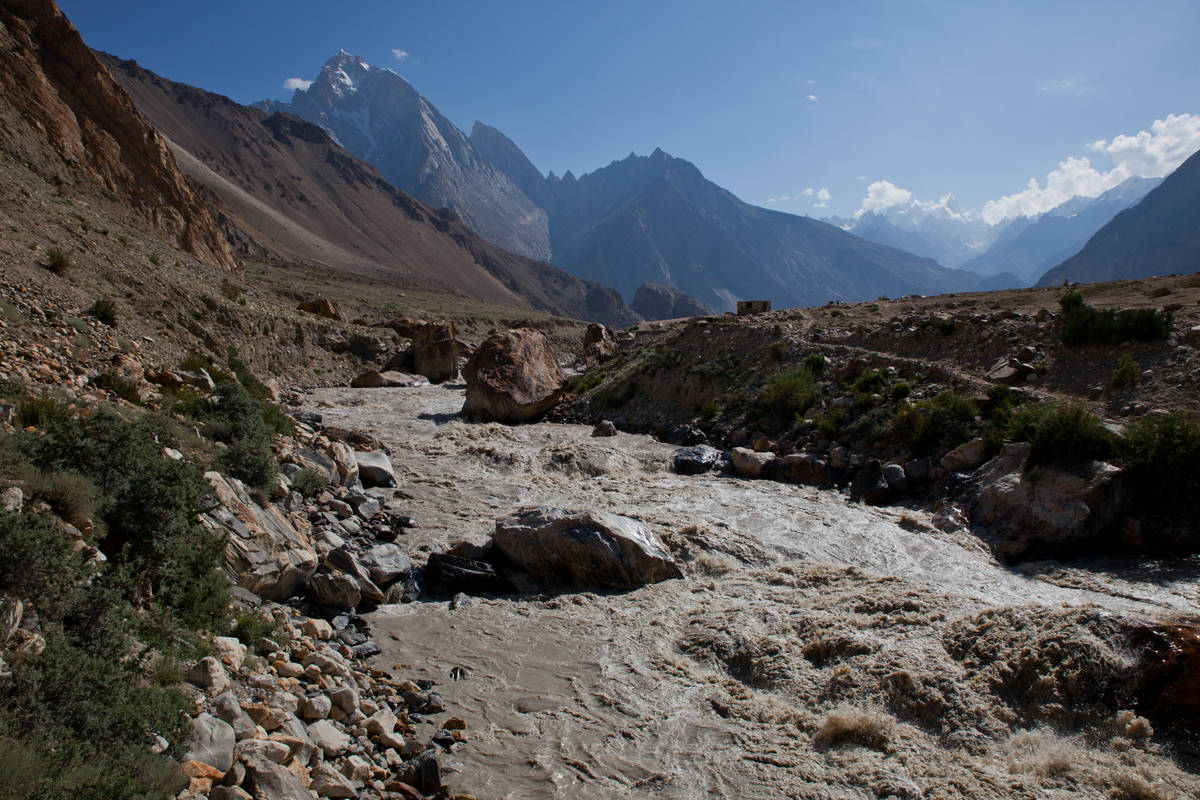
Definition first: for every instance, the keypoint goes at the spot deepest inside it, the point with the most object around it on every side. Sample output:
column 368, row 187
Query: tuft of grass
column 778, row 349
column 1127, row 373
column 105, row 310
column 309, row 482
column 58, row 260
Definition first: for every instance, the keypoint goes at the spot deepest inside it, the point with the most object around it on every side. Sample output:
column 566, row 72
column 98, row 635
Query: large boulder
column 265, row 552
column 696, row 460
column 435, row 352
column 748, row 463
column 375, row 469
column 599, row 343
column 266, row 780
column 322, row 307
column 513, row 377
column 588, row 548
column 212, row 742
column 803, row 468
column 1045, row 510
column 386, row 563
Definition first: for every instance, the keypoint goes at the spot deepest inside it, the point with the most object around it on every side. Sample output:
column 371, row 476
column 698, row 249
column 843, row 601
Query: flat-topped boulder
column 512, row 377
column 585, row 548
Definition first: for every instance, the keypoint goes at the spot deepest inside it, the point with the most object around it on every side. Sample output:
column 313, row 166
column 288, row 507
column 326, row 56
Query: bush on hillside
column 1065, row 434
column 1083, row 323
column 1127, row 372
column 789, row 394
column 1162, row 454
column 941, row 422
column 105, row 310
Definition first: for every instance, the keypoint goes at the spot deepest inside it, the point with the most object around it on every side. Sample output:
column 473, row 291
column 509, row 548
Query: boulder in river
column 695, row 460
column 375, row 469
column 513, row 377
column 587, row 548
column 435, row 352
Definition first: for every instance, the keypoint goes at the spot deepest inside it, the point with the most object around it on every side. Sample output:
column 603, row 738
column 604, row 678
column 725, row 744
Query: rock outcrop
column 435, row 352
column 67, row 100
column 513, row 377
column 588, row 548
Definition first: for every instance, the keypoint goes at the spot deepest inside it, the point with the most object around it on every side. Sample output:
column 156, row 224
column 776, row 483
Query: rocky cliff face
column 67, row 119
column 379, row 117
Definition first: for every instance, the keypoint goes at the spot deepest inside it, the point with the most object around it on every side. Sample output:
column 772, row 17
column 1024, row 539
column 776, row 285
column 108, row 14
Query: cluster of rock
column 306, row 719
column 434, row 354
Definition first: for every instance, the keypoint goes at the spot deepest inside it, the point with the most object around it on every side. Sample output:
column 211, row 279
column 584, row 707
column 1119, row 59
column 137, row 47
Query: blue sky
column 915, row 98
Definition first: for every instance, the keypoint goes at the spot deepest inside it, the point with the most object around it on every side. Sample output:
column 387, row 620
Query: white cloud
column 884, row 194
column 296, row 83
column 810, row 82
column 772, row 199
column 823, row 198
column 1148, row 154
column 401, row 55
column 1067, row 86
column 808, row 192
column 862, row 177
column 812, row 98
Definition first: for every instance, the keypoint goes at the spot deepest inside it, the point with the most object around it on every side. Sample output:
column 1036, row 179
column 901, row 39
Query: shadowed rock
column 513, row 377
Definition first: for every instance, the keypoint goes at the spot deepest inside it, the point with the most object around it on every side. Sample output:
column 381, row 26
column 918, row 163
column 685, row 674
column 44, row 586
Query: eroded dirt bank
column 815, row 649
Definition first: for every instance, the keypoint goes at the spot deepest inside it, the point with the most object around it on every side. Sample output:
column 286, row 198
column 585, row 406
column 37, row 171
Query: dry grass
column 850, row 725
column 1044, row 754
column 1132, row 786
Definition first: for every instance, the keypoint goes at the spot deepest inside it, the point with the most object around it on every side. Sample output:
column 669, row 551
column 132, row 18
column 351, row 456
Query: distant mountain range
column 284, row 188
column 1022, row 247
column 1158, row 236
column 644, row 219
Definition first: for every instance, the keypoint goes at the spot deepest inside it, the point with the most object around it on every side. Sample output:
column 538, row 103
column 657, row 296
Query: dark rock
column 802, row 468
column 894, row 475
column 449, row 574
column 599, row 343
column 695, row 460
column 869, row 484
column 588, row 548
column 435, row 352
column 365, row 650
column 605, row 428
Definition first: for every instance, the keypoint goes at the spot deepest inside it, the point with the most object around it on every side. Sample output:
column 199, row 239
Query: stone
column 329, row 782
column 232, row 651
column 365, row 506
column 199, row 379
column 375, row 469
column 267, row 780
column 316, row 628
column 356, row 768
column 334, row 589
column 918, row 470
column 315, row 707
column 588, row 548
column 695, row 460
column 12, row 611
column 209, row 675
column 802, row 468
column 435, row 352
column 448, row 574
column 229, row 793
column 269, row 717
column 226, row 707
column 371, row 379
column 345, row 461
column 212, row 742
column 322, row 307
column 381, row 722
column 1005, row 370
column 604, row 429
column 345, row 698
column 869, row 484
column 1044, row 510
column 513, row 377
column 895, row 477
column 965, row 457
column 386, row 564
column 198, row 769
column 599, row 343
column 264, row 748
column 12, row 500
column 326, row 735
column 341, row 559
column 749, row 463
column 264, row 552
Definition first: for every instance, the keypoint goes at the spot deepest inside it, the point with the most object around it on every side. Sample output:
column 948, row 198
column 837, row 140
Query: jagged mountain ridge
column 380, row 118
column 633, row 222
column 285, row 186
column 1158, row 236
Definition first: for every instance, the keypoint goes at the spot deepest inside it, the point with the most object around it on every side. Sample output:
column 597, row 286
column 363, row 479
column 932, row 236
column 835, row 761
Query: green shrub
column 873, row 426
column 42, row 409
column 709, row 410
column 71, row 495
column 901, row 390
column 869, row 381
column 788, row 394
column 778, row 349
column 1127, row 372
column 830, row 422
column 1061, row 433
column 126, row 390
column 1083, row 323
column 1162, row 454
column 941, row 422
column 105, row 310
column 251, row 627
column 58, row 260
column 814, row 362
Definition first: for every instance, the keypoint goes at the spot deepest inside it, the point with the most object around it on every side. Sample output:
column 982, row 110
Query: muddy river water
column 815, row 648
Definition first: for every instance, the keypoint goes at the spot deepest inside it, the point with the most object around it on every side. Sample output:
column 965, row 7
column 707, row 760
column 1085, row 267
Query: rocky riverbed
column 814, row 648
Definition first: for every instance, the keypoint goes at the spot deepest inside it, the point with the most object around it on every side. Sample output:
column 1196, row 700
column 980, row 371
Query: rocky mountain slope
column 380, row 118
column 1158, row 236
column 1028, row 246
column 288, row 190
column 67, row 119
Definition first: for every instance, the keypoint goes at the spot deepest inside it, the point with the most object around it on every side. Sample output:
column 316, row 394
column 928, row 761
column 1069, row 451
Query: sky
column 814, row 108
